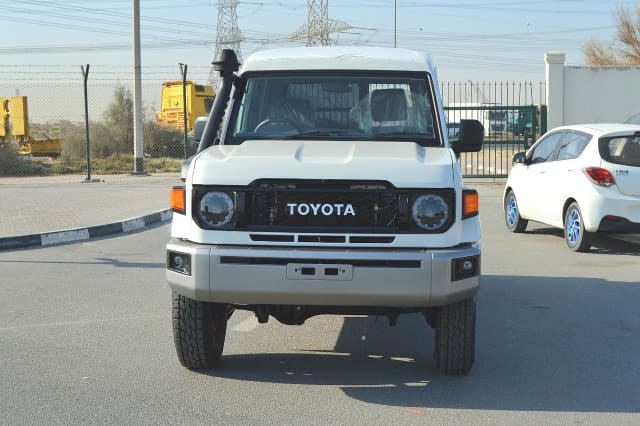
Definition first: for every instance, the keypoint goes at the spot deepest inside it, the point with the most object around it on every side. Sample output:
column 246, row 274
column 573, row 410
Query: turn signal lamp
column 177, row 199
column 470, row 203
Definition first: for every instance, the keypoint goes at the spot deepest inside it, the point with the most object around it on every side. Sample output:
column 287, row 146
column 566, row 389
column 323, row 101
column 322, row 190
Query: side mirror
column 470, row 137
column 520, row 158
column 198, row 129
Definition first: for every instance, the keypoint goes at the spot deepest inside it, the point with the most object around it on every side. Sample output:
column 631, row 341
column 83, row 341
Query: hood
column 404, row 164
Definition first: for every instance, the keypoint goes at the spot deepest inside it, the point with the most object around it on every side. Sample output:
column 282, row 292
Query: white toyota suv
column 324, row 183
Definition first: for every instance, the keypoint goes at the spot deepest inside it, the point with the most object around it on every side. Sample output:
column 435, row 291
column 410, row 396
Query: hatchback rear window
column 623, row 150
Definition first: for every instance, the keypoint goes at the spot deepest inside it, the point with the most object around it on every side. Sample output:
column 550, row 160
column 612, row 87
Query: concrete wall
column 582, row 94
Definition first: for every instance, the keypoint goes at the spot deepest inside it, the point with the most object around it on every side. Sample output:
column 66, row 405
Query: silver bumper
column 330, row 277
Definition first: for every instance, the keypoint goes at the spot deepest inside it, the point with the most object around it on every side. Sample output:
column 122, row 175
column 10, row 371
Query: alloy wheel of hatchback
column 576, row 237
column 514, row 222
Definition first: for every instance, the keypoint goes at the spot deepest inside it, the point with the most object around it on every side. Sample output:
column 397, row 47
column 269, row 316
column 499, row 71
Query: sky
column 499, row 40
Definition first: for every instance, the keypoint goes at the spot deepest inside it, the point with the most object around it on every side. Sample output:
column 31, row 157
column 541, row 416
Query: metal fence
column 512, row 115
column 51, row 138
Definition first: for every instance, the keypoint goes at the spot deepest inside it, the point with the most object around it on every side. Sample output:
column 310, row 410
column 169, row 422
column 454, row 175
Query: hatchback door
column 621, row 156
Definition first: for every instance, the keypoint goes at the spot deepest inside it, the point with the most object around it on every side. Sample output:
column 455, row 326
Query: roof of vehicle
column 602, row 129
column 339, row 58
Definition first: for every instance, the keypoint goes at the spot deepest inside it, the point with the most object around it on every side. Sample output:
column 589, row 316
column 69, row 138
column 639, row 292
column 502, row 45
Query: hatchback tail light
column 599, row 176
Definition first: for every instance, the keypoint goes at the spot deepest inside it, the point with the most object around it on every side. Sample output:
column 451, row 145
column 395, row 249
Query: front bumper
column 244, row 275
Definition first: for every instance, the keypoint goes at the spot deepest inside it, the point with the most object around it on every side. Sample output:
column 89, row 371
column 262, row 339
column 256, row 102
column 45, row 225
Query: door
column 562, row 175
column 536, row 185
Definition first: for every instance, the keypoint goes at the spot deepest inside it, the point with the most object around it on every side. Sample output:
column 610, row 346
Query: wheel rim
column 573, row 227
column 512, row 210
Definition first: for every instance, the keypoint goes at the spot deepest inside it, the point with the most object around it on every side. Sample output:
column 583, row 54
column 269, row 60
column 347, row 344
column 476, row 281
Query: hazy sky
column 468, row 39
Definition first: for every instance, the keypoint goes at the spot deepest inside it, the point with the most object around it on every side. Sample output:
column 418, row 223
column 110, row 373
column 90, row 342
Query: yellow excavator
column 14, row 121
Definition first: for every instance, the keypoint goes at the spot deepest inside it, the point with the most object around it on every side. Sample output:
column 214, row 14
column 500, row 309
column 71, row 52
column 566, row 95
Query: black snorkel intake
column 226, row 66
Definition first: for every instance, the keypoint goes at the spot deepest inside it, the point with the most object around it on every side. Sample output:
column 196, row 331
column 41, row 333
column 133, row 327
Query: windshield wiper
column 404, row 135
column 320, row 133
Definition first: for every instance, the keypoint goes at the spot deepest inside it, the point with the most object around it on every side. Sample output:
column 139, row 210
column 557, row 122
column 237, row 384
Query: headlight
column 430, row 212
column 216, row 209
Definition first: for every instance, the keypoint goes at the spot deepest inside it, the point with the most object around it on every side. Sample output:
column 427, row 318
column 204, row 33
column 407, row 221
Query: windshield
column 498, row 115
column 335, row 107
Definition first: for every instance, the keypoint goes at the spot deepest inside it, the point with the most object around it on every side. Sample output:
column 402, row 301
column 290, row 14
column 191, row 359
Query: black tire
column 576, row 237
column 199, row 330
column 456, row 337
column 512, row 218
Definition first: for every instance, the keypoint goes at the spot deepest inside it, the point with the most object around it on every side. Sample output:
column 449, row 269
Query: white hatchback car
column 582, row 178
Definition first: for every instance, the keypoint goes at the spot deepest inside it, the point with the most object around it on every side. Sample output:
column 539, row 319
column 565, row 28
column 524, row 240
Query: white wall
column 582, row 94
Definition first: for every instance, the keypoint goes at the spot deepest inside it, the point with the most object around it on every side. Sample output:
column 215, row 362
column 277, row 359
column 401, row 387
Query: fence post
column 85, row 75
column 183, row 71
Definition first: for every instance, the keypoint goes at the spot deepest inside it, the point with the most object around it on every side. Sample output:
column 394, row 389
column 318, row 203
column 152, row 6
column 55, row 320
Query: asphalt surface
column 32, row 207
column 85, row 338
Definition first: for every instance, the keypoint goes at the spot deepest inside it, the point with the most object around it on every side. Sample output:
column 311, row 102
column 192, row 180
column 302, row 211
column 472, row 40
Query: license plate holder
column 319, row 271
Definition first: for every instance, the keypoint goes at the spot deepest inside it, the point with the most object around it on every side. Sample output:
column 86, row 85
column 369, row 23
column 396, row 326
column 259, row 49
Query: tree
column 119, row 120
column 628, row 38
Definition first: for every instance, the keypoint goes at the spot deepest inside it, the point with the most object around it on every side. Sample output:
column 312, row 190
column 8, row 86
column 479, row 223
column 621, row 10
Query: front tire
column 456, row 337
column 575, row 235
column 199, row 330
column 512, row 218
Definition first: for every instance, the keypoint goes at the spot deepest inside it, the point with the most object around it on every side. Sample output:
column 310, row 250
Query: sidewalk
column 40, row 205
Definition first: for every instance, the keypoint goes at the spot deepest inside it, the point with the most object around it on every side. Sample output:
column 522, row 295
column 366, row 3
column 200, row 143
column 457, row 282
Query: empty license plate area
column 310, row 271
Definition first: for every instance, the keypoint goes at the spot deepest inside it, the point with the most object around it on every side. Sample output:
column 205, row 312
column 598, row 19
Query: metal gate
column 508, row 130
column 511, row 114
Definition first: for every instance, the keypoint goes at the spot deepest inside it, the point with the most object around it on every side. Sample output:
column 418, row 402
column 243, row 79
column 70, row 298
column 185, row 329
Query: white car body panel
column 339, row 58
column 404, row 164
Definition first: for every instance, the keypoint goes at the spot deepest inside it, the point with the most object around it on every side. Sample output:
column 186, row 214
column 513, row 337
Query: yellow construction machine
column 14, row 121
column 199, row 101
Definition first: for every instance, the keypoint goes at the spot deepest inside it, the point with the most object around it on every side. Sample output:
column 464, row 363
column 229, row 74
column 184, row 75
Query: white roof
column 602, row 129
column 339, row 58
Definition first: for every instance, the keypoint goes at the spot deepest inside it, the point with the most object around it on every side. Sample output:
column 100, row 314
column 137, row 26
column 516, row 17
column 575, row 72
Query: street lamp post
column 395, row 21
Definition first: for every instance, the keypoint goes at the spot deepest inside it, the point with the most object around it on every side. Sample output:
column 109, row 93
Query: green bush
column 163, row 141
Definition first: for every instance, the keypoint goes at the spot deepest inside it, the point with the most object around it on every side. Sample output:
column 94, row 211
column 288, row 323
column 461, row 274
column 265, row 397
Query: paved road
column 85, row 338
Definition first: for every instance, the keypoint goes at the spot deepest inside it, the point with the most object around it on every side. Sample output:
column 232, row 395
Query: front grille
column 353, row 208
column 327, row 207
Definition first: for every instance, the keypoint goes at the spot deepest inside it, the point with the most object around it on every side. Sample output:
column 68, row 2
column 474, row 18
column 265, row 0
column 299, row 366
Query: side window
column 572, row 145
column 545, row 149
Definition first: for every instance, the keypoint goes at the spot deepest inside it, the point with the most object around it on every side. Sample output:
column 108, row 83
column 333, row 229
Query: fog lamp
column 179, row 262
column 465, row 267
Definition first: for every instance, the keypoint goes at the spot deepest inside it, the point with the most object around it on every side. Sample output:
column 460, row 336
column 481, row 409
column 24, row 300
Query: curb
column 83, row 234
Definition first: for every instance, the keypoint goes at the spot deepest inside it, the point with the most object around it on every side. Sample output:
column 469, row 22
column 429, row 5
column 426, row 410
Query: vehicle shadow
column 618, row 244
column 543, row 343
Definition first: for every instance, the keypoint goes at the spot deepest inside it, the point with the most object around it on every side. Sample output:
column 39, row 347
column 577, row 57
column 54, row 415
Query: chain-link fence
column 43, row 131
